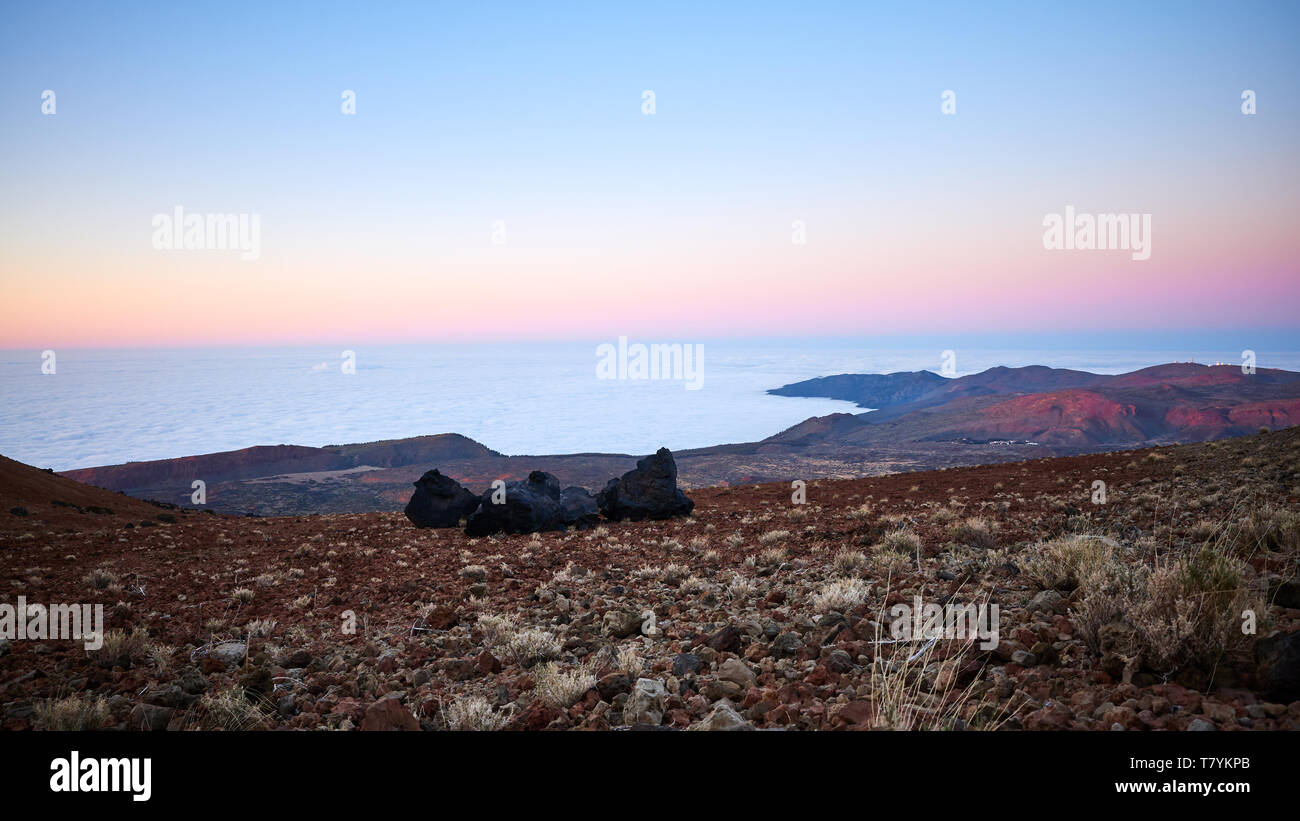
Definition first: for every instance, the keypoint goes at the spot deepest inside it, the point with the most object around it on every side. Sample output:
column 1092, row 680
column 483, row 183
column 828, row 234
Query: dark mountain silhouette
column 868, row 390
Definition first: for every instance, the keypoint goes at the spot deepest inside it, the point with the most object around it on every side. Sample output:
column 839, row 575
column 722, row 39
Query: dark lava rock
column 439, row 501
column 461, row 669
column 1277, row 660
column 786, row 645
column 613, row 684
column 257, row 682
column 192, row 681
column 528, row 507
column 839, row 662
column 168, row 695
column 648, row 492
column 686, row 664
column 149, row 717
column 726, row 640
column 578, row 508
column 298, row 658
column 1287, row 594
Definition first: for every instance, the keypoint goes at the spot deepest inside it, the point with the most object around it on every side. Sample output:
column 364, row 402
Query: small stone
column 724, row 718
column 488, row 664
column 1046, row 601
column 839, row 662
column 646, row 703
column 150, row 717
column 737, row 672
column 168, row 695
column 388, row 714
column 192, row 681
column 619, row 624
column 726, row 640
column 442, row 617
column 612, row 685
column 229, row 654
column 1218, row 713
column 1278, row 665
column 461, row 669
column 1024, row 658
column 686, row 664
column 786, row 645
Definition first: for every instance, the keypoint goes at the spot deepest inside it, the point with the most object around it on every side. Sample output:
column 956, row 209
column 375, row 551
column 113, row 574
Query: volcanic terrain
column 1165, row 598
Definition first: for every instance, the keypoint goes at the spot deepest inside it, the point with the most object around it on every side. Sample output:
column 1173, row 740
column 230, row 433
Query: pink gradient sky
column 376, row 227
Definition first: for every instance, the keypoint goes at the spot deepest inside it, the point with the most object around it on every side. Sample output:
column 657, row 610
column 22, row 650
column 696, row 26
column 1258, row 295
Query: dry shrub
column 531, row 645
column 560, row 689
column 900, row 541
column 121, row 649
column 886, row 561
column 1109, row 590
column 231, row 709
column 1061, row 564
column 1270, row 530
column 73, row 713
column 497, row 630
column 840, row 595
column 915, row 686
column 848, row 561
column 973, row 532
column 474, row 713
column 1185, row 612
column 1192, row 612
column 101, row 578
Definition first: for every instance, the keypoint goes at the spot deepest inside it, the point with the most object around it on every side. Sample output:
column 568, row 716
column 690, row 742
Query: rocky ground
column 755, row 612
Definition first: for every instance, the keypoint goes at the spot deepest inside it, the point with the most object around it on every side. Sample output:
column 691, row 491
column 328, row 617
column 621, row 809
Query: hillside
column 754, row 612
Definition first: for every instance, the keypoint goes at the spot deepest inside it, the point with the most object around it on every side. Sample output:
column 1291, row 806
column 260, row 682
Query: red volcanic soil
column 766, row 613
column 1273, row 415
column 56, row 499
column 1065, row 417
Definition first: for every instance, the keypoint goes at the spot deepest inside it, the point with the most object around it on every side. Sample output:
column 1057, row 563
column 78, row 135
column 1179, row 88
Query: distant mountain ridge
column 271, row 460
column 1062, row 407
column 922, row 421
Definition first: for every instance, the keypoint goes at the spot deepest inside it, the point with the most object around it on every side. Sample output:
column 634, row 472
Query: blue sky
column 470, row 113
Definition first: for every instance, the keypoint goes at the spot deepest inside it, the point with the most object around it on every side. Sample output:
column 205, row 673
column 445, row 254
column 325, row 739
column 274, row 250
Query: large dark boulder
column 578, row 507
column 528, row 507
column 439, row 501
column 649, row 492
column 1277, row 660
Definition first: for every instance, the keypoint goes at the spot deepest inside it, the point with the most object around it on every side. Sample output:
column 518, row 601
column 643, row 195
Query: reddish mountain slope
column 273, row 460
column 55, row 498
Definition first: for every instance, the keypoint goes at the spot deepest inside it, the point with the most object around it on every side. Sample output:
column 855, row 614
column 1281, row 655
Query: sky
column 500, row 179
